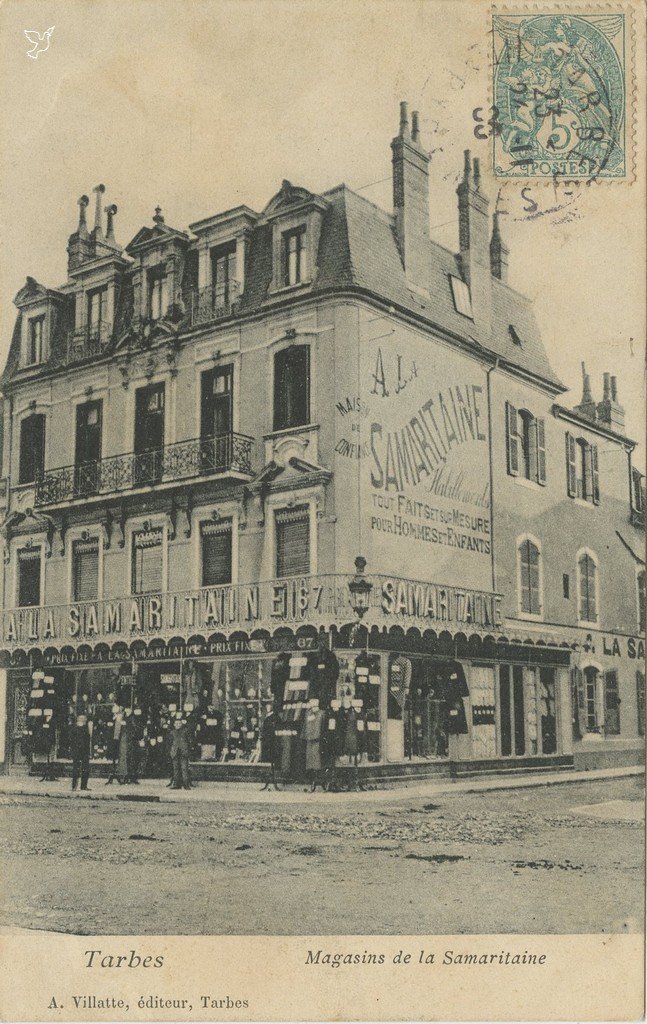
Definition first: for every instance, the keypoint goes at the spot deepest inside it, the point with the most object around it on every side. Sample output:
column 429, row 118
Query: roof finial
column 158, row 218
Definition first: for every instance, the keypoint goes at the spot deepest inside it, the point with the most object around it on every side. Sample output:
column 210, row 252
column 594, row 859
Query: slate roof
column 358, row 250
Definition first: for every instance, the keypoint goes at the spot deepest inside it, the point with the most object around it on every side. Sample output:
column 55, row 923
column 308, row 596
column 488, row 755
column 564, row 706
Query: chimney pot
column 606, row 386
column 467, row 165
column 404, row 119
column 477, row 172
column 614, row 389
column 98, row 192
column 110, row 230
column 415, row 126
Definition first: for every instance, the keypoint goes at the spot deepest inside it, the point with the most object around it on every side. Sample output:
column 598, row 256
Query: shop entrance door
column 511, row 711
column 611, row 704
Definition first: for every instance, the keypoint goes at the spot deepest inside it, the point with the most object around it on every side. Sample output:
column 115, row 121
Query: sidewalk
column 156, row 791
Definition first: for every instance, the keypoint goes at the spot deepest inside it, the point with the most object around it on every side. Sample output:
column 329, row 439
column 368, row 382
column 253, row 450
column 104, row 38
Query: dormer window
column 157, row 293
column 97, row 303
column 36, row 341
column 294, row 255
column 223, row 274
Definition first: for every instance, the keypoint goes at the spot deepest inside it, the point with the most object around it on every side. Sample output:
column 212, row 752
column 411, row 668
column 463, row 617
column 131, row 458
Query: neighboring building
column 202, row 432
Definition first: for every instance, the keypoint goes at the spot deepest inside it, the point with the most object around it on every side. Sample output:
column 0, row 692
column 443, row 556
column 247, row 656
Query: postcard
column 322, row 487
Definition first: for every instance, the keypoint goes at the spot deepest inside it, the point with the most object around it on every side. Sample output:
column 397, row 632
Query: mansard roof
column 357, row 251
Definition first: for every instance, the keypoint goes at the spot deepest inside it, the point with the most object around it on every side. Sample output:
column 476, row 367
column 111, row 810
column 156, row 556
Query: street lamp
column 360, row 589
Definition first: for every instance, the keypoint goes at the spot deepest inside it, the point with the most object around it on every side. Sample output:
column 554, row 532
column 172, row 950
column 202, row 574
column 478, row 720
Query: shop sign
column 436, row 604
column 159, row 652
column 630, row 646
column 299, row 600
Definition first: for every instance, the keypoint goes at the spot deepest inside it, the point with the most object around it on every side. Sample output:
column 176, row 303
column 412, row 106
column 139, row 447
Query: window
column 294, row 256
column 292, row 387
column 642, row 600
column 147, row 561
column 461, row 297
column 157, row 298
column 96, row 309
column 587, row 575
column 216, row 553
column 223, row 274
column 36, row 341
column 566, row 585
column 582, row 476
column 637, row 491
column 293, row 542
column 591, row 699
column 529, row 578
column 28, row 577
column 525, row 444
column 85, row 570
column 32, row 448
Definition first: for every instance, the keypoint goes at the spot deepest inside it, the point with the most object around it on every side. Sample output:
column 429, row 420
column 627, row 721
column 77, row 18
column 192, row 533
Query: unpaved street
column 564, row 859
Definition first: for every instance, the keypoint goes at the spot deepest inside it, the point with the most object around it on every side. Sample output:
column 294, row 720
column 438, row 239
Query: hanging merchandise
column 325, row 676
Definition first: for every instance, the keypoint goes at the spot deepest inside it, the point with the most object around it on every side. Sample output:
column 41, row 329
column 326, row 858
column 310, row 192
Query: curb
column 216, row 795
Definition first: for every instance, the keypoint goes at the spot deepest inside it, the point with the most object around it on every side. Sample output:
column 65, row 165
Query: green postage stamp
column 559, row 88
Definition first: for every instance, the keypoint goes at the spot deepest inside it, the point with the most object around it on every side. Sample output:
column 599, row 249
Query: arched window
column 529, row 559
column 587, row 572
column 642, row 600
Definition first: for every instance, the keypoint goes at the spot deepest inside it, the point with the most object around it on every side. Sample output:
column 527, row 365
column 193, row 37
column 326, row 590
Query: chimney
column 587, row 406
column 411, row 199
column 499, row 252
column 98, row 192
column 474, row 242
column 610, row 412
column 110, row 227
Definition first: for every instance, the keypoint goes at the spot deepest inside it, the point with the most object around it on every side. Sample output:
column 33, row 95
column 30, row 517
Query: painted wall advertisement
column 417, row 435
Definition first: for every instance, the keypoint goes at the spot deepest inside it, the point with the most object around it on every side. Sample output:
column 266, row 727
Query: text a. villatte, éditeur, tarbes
column 448, row 957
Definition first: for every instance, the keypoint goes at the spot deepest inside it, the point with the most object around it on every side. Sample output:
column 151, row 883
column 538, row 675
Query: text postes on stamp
column 559, row 95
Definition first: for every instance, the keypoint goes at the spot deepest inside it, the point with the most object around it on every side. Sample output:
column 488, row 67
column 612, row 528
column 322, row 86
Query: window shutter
column 293, row 542
column 595, row 476
column 147, row 562
column 571, row 467
column 577, row 695
column 512, row 439
column 216, row 554
column 541, row 452
column 85, row 569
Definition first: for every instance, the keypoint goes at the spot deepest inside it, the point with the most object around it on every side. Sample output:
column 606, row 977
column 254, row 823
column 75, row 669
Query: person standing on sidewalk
column 80, row 750
column 180, row 750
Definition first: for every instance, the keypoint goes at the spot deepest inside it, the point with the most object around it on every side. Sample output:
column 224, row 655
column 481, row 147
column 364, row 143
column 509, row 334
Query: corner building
column 204, row 430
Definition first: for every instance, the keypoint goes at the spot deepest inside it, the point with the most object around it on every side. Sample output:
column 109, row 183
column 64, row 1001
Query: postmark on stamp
column 559, row 92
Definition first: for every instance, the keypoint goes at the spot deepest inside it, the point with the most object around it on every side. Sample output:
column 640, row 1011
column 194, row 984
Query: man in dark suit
column 180, row 750
column 80, row 750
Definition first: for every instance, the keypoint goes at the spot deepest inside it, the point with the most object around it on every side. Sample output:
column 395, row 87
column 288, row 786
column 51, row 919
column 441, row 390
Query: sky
column 201, row 106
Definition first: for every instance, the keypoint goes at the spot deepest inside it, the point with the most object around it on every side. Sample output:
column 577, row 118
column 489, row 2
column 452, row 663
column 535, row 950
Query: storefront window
column 425, row 704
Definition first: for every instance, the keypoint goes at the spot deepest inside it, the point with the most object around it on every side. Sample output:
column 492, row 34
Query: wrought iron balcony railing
column 212, row 303
column 183, row 460
column 88, row 342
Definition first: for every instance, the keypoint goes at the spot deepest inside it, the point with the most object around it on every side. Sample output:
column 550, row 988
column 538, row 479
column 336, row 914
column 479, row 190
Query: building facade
column 203, row 431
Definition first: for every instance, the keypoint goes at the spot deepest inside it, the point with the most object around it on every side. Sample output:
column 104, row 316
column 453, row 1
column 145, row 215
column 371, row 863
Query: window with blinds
column 147, row 562
column 293, row 542
column 28, row 577
column 216, row 553
column 85, row 570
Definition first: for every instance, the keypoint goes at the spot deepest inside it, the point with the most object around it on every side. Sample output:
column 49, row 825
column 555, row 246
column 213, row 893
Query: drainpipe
column 494, row 366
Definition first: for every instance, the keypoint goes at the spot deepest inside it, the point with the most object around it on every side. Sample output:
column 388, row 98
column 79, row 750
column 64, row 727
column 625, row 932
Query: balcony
column 212, row 303
column 184, row 460
column 87, row 342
